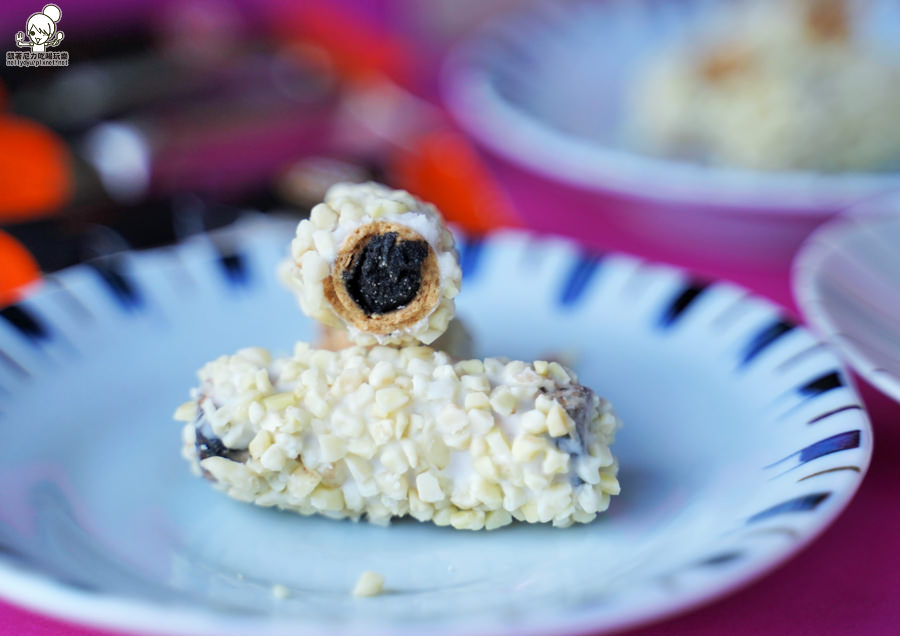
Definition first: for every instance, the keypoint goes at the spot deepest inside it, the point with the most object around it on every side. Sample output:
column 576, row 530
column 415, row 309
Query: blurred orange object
column 35, row 172
column 444, row 168
column 17, row 269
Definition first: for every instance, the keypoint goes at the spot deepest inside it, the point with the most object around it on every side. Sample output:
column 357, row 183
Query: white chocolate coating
column 384, row 432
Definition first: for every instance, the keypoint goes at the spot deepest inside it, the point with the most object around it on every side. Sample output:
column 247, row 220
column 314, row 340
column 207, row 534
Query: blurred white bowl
column 847, row 283
column 546, row 90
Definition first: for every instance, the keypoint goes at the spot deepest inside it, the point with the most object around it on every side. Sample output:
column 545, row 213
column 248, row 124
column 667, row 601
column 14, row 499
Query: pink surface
column 847, row 582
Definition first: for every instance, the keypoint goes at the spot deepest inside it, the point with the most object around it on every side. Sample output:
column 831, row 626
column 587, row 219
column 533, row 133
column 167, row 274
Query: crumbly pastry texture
column 384, row 432
column 772, row 85
column 377, row 262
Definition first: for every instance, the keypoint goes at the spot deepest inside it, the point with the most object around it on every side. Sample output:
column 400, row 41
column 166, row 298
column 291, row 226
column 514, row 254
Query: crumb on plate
column 280, row 591
column 368, row 584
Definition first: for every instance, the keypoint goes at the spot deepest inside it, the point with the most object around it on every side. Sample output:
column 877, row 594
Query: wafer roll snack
column 385, row 432
column 378, row 262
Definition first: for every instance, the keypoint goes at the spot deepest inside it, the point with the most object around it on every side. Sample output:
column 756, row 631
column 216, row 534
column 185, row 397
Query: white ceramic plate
column 847, row 283
column 743, row 440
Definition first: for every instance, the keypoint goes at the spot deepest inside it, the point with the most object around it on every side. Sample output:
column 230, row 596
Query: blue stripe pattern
column 578, row 279
column 682, row 301
column 764, row 338
column 470, row 249
column 119, row 286
column 849, row 407
column 721, row 559
column 25, row 322
column 822, row 384
column 13, row 365
column 827, row 446
column 234, row 266
column 833, row 444
column 798, row 504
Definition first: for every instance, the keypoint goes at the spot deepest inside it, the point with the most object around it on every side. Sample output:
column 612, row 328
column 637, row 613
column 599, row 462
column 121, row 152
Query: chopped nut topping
column 381, row 433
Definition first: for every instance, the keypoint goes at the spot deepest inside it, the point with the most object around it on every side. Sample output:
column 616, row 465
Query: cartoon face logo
column 41, row 30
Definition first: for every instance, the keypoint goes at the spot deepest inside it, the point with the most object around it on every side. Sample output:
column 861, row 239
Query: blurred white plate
column 546, row 88
column 847, row 283
column 743, row 441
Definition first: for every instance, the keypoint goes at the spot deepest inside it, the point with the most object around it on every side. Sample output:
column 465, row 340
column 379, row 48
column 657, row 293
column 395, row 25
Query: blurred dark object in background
column 145, row 125
column 173, row 118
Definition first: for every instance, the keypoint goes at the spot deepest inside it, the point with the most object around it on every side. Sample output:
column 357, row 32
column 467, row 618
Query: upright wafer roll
column 378, row 262
column 384, row 432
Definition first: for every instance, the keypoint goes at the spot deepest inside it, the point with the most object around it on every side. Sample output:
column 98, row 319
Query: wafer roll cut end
column 378, row 262
column 385, row 278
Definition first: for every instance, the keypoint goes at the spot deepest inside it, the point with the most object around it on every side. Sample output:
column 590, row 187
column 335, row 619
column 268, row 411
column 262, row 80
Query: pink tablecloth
column 847, row 582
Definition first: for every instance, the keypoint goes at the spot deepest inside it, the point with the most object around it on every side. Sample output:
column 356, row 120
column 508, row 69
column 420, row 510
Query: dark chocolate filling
column 208, row 444
column 578, row 402
column 386, row 274
column 213, row 447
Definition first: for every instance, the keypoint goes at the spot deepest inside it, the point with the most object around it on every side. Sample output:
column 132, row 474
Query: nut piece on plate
column 368, row 584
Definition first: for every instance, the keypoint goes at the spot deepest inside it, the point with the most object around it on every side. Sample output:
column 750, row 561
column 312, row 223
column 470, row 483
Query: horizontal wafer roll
column 385, row 432
column 377, row 262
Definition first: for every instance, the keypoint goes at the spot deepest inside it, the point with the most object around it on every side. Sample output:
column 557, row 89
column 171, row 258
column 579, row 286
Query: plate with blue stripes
column 743, row 439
